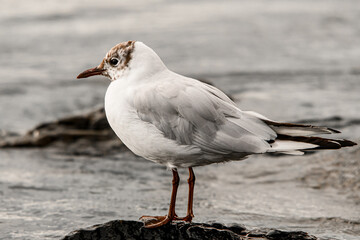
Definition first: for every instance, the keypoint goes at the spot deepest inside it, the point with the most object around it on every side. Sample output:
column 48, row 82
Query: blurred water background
column 289, row 60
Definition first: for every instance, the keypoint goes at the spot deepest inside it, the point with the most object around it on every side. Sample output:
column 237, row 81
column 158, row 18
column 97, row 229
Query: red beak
column 91, row 72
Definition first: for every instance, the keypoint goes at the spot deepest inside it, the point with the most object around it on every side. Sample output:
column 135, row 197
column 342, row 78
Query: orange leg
column 190, row 213
column 158, row 221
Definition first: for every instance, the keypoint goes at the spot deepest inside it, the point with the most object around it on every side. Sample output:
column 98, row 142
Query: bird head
column 123, row 57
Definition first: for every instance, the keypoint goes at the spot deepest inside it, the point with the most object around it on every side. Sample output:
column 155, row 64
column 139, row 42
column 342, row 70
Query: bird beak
column 91, row 72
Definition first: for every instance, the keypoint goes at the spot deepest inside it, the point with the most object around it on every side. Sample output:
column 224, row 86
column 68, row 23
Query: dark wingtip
column 333, row 130
column 323, row 143
column 346, row 143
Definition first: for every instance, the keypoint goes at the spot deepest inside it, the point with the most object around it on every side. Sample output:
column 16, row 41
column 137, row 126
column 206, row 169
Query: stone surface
column 92, row 125
column 79, row 134
column 120, row 229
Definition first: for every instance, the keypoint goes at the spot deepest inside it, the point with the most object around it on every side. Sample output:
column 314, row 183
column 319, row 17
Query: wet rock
column 92, row 125
column 88, row 134
column 120, row 229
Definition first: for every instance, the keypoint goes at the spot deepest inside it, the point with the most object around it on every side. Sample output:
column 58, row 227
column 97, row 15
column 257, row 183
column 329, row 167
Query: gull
column 181, row 122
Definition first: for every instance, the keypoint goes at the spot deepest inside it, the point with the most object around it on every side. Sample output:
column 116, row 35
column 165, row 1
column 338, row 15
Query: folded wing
column 194, row 113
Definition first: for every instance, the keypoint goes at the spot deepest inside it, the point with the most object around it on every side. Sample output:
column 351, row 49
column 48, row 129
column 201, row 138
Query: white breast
column 120, row 115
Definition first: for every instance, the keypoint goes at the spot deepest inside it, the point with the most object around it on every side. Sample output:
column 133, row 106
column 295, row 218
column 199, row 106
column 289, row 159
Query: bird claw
column 155, row 221
column 158, row 221
column 187, row 218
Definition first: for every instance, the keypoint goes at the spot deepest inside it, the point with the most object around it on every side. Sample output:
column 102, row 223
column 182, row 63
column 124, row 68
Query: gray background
column 289, row 60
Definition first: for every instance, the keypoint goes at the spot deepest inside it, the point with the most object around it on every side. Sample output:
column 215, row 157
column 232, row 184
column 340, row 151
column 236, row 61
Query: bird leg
column 158, row 221
column 191, row 181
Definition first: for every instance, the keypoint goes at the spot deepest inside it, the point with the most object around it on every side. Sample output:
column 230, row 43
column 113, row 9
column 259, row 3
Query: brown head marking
column 122, row 51
column 114, row 63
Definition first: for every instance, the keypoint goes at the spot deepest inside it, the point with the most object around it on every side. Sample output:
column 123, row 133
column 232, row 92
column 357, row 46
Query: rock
column 82, row 134
column 121, row 229
column 92, row 125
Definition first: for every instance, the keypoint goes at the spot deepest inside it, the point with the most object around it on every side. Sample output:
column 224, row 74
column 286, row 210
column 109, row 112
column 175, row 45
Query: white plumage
column 182, row 122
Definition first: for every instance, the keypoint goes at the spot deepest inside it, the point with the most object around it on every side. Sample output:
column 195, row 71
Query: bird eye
column 114, row 61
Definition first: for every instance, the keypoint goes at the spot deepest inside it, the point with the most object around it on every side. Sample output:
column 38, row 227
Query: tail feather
column 321, row 143
column 295, row 138
column 292, row 129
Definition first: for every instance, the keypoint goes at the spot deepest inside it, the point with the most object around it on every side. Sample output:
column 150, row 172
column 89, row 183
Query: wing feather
column 199, row 114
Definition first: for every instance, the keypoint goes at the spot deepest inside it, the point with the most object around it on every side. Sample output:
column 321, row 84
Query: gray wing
column 194, row 113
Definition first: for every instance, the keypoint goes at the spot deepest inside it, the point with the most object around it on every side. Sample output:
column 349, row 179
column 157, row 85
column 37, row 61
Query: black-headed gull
column 181, row 122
